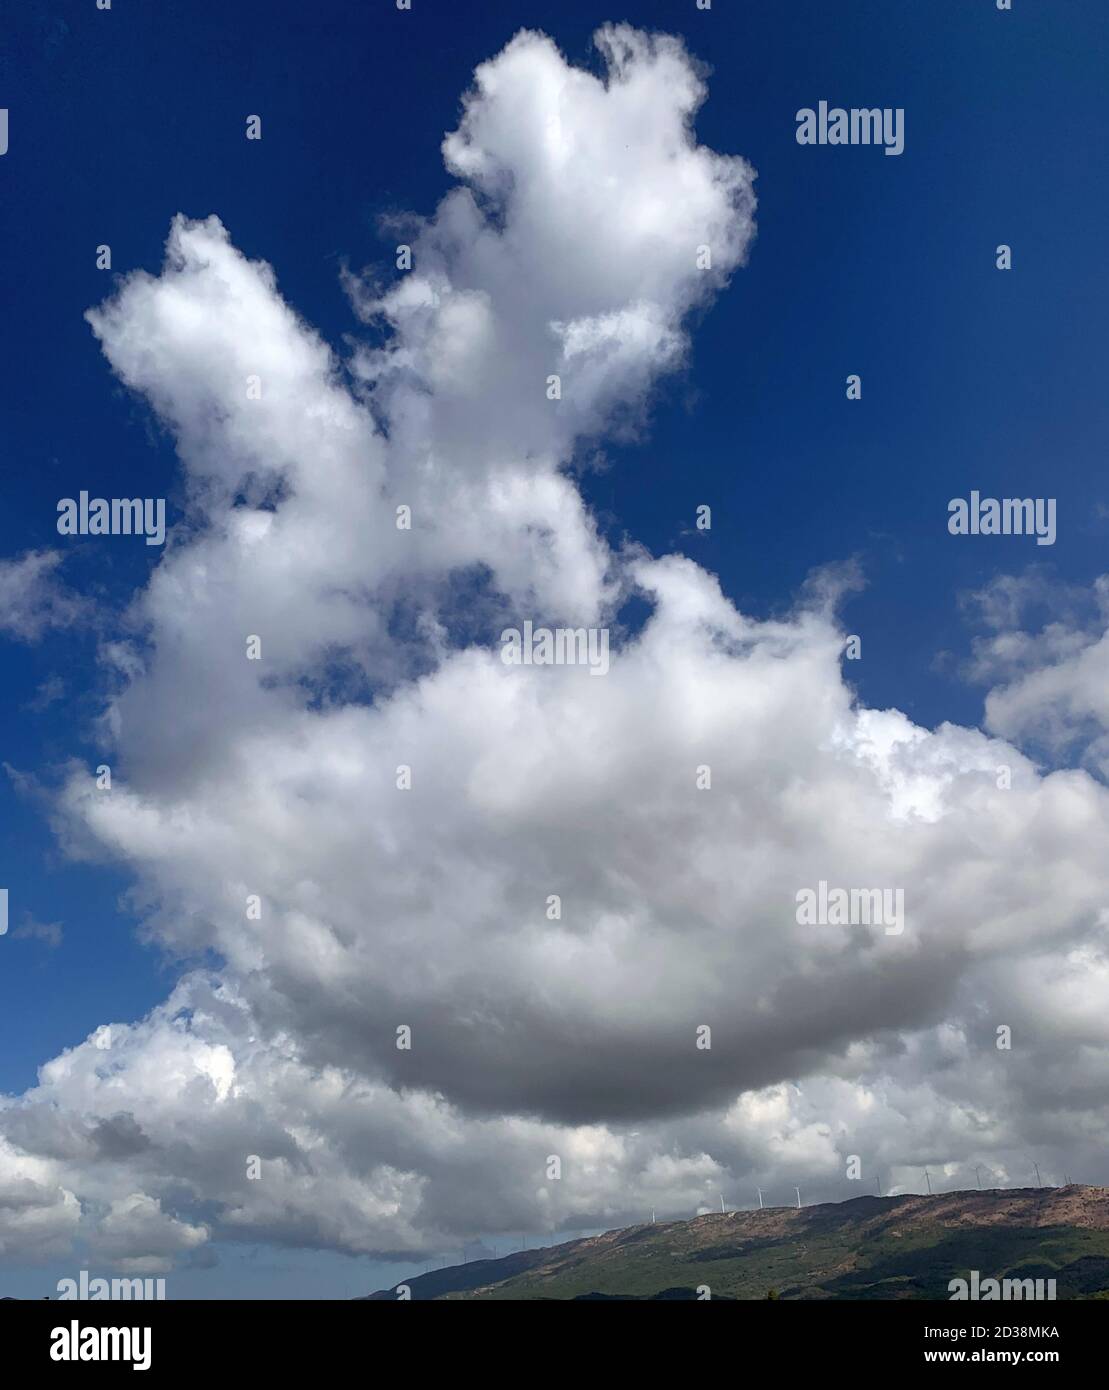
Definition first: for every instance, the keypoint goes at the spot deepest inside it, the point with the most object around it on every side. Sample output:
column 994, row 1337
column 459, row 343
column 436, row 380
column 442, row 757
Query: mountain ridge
column 907, row 1246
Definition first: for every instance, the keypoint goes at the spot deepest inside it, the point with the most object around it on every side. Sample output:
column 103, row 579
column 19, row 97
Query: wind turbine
column 978, row 1175
column 878, row 1180
column 759, row 1191
column 798, row 1191
column 928, row 1180
column 722, row 1212
column 1039, row 1180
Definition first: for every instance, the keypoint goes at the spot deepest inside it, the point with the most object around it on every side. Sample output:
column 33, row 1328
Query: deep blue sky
column 972, row 378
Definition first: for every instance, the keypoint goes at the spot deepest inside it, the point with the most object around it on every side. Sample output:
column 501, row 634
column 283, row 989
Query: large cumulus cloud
column 572, row 246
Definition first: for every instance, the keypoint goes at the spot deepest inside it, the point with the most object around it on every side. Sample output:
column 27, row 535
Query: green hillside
column 869, row 1248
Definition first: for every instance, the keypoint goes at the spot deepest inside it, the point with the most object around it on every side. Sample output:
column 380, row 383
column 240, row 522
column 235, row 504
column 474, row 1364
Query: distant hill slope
column 867, row 1248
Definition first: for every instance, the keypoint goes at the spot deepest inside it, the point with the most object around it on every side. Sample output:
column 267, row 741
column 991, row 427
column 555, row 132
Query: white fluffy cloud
column 569, row 248
column 1047, row 647
column 38, row 1216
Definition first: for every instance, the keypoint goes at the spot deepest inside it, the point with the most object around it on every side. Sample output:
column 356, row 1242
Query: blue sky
column 971, row 378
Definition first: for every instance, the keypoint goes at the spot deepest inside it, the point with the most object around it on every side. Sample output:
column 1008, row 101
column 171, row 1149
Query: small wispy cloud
column 33, row 599
column 49, row 692
column 49, row 933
